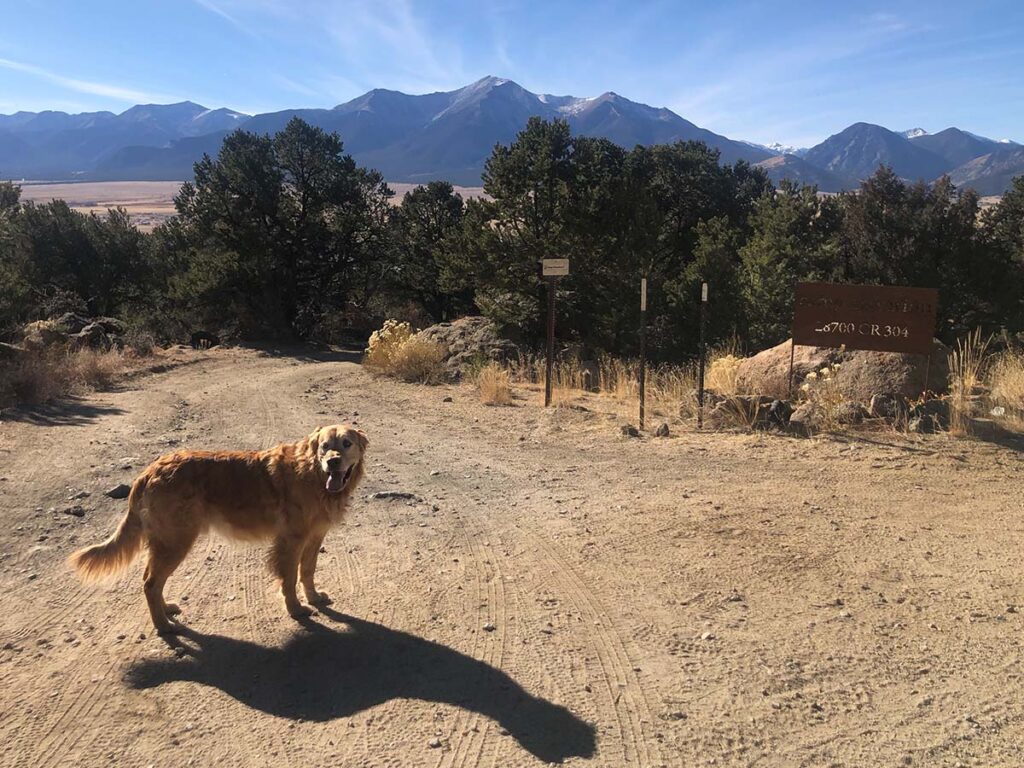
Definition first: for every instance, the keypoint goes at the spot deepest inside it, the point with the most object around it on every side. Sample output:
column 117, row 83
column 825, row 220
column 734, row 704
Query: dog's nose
column 334, row 463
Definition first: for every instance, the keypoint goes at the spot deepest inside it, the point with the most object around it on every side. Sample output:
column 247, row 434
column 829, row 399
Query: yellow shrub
column 493, row 383
column 385, row 344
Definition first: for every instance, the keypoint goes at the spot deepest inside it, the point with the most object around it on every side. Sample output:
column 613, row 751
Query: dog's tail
column 117, row 552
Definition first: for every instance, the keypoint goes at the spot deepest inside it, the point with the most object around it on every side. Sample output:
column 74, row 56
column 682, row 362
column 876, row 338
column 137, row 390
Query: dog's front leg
column 284, row 560
column 307, row 566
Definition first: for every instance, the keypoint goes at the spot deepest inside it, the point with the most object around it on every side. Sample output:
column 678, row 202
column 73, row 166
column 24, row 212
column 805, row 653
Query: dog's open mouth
column 336, row 481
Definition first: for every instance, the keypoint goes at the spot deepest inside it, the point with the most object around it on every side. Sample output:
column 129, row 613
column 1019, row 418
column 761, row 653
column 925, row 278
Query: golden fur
column 291, row 493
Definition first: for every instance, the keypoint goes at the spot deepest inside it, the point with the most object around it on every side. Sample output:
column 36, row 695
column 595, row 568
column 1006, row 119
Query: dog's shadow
column 322, row 673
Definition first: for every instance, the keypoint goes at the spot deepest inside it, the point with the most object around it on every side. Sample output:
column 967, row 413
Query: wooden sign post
column 552, row 269
column 643, row 346
column 703, row 355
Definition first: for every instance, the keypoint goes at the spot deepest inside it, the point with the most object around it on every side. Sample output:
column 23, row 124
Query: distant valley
column 449, row 135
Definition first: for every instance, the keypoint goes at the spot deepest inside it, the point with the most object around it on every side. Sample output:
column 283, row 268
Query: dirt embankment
column 554, row 591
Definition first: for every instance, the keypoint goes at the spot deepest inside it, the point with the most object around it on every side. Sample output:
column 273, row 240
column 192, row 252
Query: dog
column 291, row 493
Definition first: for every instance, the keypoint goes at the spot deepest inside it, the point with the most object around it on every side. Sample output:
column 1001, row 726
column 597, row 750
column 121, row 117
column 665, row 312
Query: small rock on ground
column 119, row 491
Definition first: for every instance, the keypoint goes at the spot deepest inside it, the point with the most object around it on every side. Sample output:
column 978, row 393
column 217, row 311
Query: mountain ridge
column 449, row 135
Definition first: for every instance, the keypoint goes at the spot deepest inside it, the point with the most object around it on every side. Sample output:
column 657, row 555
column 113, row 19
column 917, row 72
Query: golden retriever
column 292, row 493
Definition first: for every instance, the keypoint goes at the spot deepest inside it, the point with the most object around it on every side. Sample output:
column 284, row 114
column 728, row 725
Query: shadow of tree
column 308, row 352
column 322, row 673
column 67, row 412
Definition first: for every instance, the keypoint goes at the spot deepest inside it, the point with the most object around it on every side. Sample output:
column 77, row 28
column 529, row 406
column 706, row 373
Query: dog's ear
column 314, row 440
column 363, row 440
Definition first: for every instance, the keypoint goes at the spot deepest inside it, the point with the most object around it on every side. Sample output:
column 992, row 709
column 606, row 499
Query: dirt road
column 553, row 592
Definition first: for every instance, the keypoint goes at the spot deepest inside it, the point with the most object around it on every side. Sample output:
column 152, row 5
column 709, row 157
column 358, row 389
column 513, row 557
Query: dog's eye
column 346, row 443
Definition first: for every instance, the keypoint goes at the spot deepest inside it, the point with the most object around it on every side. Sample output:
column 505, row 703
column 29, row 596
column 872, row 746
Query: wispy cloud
column 367, row 32
column 295, row 86
column 108, row 90
column 218, row 10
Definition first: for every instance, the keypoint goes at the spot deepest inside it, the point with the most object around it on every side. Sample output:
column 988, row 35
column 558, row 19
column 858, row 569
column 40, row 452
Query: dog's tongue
column 334, row 482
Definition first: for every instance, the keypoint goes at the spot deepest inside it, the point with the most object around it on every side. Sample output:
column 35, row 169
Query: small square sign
column 556, row 267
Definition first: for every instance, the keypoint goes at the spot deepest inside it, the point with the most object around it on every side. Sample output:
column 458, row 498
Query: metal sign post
column 703, row 355
column 643, row 346
column 552, row 270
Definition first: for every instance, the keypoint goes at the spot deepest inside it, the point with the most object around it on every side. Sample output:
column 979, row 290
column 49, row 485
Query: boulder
column 933, row 415
column 849, row 412
column 778, row 413
column 111, row 325
column 70, row 322
column 662, row 430
column 628, row 430
column 42, row 334
column 801, row 421
column 861, row 373
column 93, row 336
column 10, row 352
column 767, row 372
column 741, row 411
column 469, row 341
column 888, row 406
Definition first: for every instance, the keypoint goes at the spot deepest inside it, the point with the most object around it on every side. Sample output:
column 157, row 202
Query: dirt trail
column 554, row 591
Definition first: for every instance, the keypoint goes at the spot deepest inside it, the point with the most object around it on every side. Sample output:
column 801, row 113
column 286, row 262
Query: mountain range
column 449, row 135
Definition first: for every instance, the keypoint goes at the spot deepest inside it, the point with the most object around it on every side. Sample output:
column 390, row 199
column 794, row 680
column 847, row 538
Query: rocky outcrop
column 767, row 372
column 73, row 332
column 861, row 374
column 469, row 341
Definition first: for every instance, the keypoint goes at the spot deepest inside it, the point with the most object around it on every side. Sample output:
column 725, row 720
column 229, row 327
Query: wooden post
column 703, row 355
column 927, row 372
column 551, row 341
column 643, row 346
column 792, row 356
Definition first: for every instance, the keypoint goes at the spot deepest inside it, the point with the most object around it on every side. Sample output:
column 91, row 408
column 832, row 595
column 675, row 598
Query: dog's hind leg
column 284, row 562
column 163, row 559
column 307, row 566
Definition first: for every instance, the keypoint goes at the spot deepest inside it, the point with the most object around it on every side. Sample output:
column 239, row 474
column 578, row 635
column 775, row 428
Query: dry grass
column 1006, row 376
column 37, row 377
column 669, row 389
column 722, row 374
column 967, row 364
column 494, row 385
column 420, row 361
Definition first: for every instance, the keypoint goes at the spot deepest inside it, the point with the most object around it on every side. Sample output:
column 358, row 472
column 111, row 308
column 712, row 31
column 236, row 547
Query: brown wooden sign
column 876, row 317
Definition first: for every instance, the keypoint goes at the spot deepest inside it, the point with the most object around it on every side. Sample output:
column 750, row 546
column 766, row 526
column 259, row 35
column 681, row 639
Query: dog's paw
column 172, row 609
column 300, row 611
column 170, row 629
column 319, row 598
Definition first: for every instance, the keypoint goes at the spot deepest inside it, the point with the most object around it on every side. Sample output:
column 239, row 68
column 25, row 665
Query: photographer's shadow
column 322, row 673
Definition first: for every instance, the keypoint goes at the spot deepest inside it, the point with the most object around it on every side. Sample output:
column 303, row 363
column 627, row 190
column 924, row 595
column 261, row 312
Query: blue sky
column 792, row 72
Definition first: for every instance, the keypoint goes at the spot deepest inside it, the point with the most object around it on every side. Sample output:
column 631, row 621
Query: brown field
column 550, row 590
column 149, row 203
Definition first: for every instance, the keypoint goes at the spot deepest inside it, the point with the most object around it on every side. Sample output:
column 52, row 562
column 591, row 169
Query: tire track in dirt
column 629, row 703
column 77, row 700
column 488, row 649
column 61, row 738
